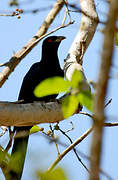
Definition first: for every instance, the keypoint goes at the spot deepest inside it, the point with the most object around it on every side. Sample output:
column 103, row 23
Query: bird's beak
column 60, row 38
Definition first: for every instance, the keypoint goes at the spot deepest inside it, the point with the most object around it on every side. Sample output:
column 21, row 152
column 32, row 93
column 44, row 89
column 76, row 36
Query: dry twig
column 69, row 149
column 18, row 56
column 79, row 159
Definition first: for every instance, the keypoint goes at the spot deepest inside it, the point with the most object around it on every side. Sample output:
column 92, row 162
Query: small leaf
column 4, row 156
column 116, row 39
column 54, row 85
column 69, row 106
column 77, row 78
column 57, row 174
column 86, row 99
column 16, row 161
column 34, row 129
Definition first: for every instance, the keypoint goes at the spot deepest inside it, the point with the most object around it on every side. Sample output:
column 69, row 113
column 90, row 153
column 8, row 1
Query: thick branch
column 25, row 113
column 18, row 56
column 86, row 31
column 14, row 114
column 101, row 91
column 83, row 38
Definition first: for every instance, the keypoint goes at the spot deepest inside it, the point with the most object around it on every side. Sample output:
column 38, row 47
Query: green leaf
column 77, row 78
column 13, row 3
column 16, row 160
column 34, row 129
column 10, row 162
column 69, row 106
column 86, row 99
column 57, row 174
column 4, row 156
column 54, row 85
column 116, row 39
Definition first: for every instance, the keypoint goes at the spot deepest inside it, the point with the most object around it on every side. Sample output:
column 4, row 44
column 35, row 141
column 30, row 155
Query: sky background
column 14, row 34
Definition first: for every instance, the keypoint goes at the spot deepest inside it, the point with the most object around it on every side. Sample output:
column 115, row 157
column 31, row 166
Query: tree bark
column 101, row 90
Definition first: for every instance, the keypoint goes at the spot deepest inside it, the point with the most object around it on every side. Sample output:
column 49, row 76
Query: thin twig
column 54, row 30
column 53, row 137
column 70, row 148
column 86, row 114
column 79, row 159
column 64, row 19
column 91, row 116
column 4, row 130
column 18, row 56
column 67, row 10
column 111, row 124
column 72, row 128
column 108, row 103
column 39, row 39
column 81, row 153
column 11, row 135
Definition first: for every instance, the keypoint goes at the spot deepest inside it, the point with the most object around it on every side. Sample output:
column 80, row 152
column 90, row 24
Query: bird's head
column 52, row 42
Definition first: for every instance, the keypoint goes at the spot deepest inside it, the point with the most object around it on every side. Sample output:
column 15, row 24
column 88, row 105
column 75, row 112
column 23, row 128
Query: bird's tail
column 19, row 152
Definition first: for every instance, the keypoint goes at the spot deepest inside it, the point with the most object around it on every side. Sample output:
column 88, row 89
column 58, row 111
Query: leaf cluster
column 77, row 95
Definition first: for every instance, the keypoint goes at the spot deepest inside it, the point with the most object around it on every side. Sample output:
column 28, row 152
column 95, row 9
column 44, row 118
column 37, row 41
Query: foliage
column 116, row 39
column 50, row 86
column 56, row 85
column 34, row 129
column 13, row 3
column 57, row 174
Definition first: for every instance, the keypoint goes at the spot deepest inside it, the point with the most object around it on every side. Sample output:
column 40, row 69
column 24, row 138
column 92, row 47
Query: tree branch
column 101, row 91
column 86, row 31
column 22, row 115
column 72, row 146
column 18, row 56
column 14, row 114
column 69, row 149
column 83, row 38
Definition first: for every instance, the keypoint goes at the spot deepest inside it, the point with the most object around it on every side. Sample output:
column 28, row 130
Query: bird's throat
column 50, row 57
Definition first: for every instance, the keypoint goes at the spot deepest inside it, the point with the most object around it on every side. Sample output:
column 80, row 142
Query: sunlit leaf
column 57, row 174
column 4, row 156
column 77, row 78
column 34, row 129
column 13, row 3
column 116, row 39
column 11, row 162
column 54, row 85
column 69, row 106
column 86, row 99
column 16, row 161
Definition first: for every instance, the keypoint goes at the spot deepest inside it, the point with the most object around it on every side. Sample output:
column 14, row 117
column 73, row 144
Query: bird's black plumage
column 47, row 67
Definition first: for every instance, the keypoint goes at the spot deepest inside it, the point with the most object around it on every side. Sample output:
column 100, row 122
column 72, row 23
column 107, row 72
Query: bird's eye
column 49, row 40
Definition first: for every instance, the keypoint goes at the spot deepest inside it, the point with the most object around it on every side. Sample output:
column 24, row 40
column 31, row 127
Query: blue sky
column 14, row 34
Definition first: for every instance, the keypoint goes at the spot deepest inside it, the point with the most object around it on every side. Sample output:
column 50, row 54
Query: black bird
column 48, row 67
